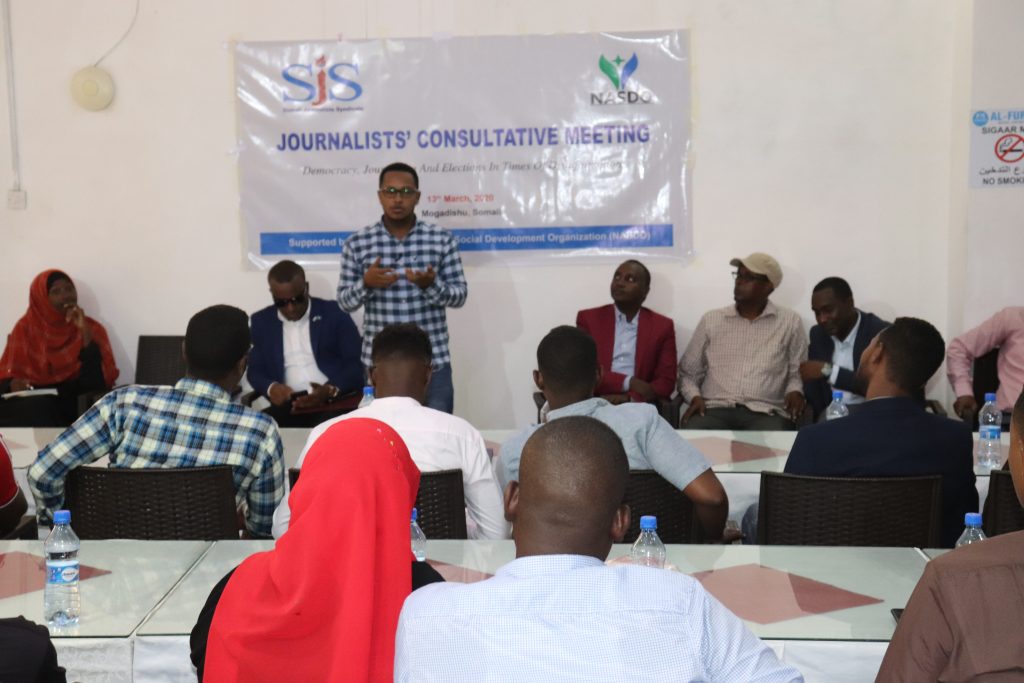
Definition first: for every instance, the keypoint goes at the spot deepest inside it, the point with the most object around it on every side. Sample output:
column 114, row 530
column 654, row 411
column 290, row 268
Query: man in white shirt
column 400, row 373
column 557, row 612
column 305, row 351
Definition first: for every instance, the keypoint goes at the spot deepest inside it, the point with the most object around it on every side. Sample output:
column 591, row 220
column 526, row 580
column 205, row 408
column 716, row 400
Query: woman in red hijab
column 54, row 345
column 323, row 605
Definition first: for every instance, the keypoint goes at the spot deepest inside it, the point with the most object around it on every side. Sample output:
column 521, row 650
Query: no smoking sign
column 1010, row 148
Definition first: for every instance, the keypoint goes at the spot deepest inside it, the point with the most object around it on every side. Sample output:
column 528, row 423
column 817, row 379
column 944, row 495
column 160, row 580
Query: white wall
column 995, row 216
column 828, row 133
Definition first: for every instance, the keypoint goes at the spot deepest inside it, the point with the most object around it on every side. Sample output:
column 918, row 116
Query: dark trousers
column 739, row 418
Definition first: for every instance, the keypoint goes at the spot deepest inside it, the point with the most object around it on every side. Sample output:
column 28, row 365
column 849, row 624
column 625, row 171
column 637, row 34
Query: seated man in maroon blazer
column 636, row 347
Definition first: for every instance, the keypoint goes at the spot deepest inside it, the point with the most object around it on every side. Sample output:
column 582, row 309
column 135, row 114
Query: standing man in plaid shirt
column 192, row 424
column 405, row 270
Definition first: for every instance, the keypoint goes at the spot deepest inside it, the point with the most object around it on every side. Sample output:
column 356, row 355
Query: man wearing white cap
column 741, row 369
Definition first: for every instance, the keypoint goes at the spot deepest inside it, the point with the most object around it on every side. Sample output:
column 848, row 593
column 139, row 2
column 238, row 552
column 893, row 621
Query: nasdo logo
column 318, row 83
column 618, row 72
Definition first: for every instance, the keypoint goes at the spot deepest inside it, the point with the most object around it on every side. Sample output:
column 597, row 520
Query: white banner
column 527, row 147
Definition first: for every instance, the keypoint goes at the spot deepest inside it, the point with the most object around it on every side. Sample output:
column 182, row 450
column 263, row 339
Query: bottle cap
column 990, row 398
column 837, row 395
column 972, row 519
column 648, row 523
column 415, row 514
column 62, row 517
column 367, row 391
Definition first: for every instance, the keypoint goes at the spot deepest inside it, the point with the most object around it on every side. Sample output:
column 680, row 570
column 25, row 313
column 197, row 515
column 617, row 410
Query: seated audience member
column 636, row 347
column 567, row 374
column 192, row 424
column 436, row 440
column 12, row 501
column 891, row 435
column 558, row 608
column 837, row 341
column 963, row 620
column 302, row 344
column 324, row 603
column 53, row 346
column 27, row 654
column 741, row 369
column 1005, row 331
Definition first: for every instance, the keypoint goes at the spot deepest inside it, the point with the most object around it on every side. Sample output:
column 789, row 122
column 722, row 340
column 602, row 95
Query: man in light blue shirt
column 557, row 612
column 567, row 373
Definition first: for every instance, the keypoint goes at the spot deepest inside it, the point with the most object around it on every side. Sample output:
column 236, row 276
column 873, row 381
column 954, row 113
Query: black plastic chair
column 1003, row 512
column 159, row 360
column 849, row 511
column 184, row 503
column 648, row 493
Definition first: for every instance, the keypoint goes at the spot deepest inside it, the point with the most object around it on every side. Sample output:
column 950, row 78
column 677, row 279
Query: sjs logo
column 318, row 83
column 618, row 72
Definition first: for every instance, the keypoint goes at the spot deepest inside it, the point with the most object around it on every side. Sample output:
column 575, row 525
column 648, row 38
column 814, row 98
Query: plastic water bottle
column 419, row 539
column 990, row 427
column 648, row 550
column 61, row 601
column 836, row 408
column 367, row 398
column 973, row 532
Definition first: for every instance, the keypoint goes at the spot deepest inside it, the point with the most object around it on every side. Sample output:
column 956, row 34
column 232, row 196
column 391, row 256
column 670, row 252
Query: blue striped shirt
column 404, row 302
column 192, row 424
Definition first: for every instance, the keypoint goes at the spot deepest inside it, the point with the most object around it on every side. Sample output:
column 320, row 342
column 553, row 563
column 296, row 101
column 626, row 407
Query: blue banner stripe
column 492, row 239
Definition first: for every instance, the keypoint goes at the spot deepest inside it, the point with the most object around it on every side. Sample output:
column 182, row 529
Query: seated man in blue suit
column 837, row 341
column 302, row 344
column 891, row 435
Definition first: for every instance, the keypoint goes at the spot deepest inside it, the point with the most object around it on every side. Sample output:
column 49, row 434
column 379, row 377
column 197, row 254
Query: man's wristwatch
column 826, row 370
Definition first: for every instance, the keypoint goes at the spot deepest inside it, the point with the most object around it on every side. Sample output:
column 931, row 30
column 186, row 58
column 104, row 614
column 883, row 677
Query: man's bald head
column 572, row 480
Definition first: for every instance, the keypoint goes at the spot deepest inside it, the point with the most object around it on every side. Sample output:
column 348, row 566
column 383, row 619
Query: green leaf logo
column 610, row 71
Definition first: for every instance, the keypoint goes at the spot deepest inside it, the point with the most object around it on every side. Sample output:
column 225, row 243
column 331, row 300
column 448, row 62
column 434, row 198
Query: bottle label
column 61, row 571
column 989, row 432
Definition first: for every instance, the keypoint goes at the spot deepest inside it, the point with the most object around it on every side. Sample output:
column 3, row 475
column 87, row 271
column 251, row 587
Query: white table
column 152, row 597
column 140, row 574
column 161, row 643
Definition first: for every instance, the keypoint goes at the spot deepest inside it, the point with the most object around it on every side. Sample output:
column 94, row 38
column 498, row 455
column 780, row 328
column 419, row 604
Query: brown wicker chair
column 159, row 360
column 648, row 493
column 849, row 511
column 440, row 502
column 185, row 503
column 1003, row 512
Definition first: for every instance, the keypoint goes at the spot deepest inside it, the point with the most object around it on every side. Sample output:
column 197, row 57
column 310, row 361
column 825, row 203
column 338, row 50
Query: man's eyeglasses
column 297, row 299
column 748, row 277
column 398, row 191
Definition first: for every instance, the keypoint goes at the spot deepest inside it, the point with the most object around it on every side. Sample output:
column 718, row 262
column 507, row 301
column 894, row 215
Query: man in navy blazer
column 636, row 347
column 891, row 435
column 837, row 342
column 302, row 344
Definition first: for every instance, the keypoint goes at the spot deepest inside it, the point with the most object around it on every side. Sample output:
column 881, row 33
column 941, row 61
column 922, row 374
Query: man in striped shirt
column 741, row 369
column 405, row 270
column 192, row 424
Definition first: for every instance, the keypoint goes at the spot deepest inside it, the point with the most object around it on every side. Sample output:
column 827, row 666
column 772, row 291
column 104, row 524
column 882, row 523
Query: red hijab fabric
column 43, row 347
column 324, row 604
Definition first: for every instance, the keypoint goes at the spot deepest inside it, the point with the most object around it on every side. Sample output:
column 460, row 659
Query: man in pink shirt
column 1005, row 331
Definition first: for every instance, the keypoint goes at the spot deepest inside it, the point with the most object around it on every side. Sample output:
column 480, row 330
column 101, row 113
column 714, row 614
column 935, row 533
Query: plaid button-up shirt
column 403, row 302
column 192, row 424
column 731, row 360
